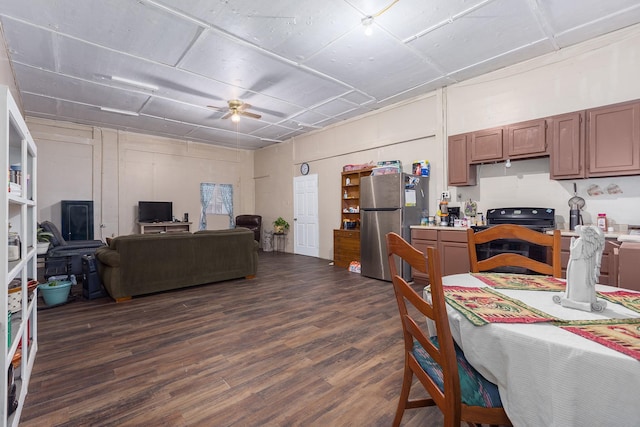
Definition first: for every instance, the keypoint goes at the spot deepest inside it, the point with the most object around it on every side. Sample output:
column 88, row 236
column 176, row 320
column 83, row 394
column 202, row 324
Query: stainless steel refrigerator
column 388, row 203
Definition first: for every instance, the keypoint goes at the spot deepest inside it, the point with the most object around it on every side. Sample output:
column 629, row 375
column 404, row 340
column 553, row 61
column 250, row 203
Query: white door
column 305, row 215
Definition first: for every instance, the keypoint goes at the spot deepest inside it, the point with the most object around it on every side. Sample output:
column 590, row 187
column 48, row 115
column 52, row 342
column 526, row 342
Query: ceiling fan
column 236, row 109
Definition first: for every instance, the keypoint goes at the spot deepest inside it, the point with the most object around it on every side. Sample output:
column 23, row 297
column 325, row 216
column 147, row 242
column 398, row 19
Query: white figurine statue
column 583, row 270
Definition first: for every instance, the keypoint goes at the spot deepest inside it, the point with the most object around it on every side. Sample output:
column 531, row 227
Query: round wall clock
column 304, row 168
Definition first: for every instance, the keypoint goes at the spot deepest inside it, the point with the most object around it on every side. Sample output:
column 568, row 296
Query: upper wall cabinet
column 567, row 139
column 461, row 173
column 603, row 141
column 486, row 145
column 613, row 140
column 527, row 139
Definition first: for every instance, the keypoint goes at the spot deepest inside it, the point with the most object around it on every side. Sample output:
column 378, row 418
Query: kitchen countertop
column 439, row 227
column 563, row 232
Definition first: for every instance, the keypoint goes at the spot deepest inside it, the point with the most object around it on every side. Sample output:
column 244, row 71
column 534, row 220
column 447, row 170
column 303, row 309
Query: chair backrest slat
column 515, row 232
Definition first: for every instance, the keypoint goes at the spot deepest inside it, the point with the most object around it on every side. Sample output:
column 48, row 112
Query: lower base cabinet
column 453, row 248
column 346, row 247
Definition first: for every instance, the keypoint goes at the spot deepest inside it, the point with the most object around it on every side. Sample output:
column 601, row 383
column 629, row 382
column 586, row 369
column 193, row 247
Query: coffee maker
column 576, row 203
column 454, row 213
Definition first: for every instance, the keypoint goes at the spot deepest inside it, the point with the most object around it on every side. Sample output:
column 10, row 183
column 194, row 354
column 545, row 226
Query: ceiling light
column 235, row 117
column 367, row 23
column 135, row 83
column 117, row 111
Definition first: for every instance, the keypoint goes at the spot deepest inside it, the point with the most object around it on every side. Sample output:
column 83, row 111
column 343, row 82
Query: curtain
column 206, row 193
column 226, row 191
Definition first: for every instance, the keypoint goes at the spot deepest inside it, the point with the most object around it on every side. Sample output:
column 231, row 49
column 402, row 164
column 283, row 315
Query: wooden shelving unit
column 346, row 239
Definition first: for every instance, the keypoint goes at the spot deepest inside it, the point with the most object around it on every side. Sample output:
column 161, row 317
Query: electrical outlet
column 445, row 195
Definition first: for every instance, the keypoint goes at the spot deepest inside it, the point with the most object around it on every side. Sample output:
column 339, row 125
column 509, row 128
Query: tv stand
column 164, row 227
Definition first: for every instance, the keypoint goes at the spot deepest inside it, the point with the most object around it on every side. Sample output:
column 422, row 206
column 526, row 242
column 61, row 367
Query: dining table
column 553, row 365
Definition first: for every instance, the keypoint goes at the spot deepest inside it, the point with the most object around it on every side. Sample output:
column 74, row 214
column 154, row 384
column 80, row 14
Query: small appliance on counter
column 576, row 203
column 454, row 214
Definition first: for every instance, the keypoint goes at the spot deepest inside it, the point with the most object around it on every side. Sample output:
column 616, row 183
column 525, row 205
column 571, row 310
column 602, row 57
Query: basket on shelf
column 15, row 294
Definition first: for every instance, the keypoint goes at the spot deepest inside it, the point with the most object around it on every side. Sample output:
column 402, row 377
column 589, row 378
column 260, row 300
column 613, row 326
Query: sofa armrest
column 78, row 244
column 108, row 256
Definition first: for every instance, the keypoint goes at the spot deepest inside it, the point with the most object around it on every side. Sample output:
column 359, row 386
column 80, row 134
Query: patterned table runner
column 525, row 282
column 628, row 299
column 484, row 305
column 622, row 335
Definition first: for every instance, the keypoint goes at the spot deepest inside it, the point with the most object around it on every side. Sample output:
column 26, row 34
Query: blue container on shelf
column 56, row 292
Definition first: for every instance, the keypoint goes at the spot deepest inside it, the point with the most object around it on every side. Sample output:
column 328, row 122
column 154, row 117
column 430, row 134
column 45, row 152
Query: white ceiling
column 301, row 64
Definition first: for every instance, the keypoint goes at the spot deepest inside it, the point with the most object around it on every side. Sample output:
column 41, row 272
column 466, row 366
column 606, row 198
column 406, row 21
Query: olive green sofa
column 140, row 264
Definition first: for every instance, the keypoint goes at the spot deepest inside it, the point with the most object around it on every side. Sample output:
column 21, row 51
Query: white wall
column 117, row 169
column 599, row 72
column 407, row 132
column 6, row 73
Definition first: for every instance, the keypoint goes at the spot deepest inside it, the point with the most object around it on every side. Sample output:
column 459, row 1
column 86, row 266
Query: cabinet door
column 460, row 171
column 486, row 145
column 421, row 240
column 613, row 140
column 454, row 257
column 346, row 247
column 527, row 139
column 566, row 134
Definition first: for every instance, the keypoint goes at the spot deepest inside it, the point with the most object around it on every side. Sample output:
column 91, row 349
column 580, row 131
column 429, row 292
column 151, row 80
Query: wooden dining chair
column 461, row 393
column 517, row 232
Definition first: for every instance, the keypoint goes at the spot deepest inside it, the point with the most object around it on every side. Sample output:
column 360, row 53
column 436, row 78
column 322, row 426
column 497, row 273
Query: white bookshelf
column 18, row 209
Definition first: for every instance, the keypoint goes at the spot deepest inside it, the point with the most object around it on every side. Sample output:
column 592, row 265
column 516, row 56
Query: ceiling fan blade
column 244, row 106
column 248, row 114
column 226, row 116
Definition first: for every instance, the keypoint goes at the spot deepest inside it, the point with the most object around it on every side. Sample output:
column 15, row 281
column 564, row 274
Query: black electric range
column 539, row 219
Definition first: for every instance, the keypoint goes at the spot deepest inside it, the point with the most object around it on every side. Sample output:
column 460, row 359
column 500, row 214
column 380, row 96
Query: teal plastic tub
column 56, row 294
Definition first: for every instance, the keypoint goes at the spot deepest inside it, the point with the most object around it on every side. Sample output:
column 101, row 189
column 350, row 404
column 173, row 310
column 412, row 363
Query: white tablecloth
column 548, row 376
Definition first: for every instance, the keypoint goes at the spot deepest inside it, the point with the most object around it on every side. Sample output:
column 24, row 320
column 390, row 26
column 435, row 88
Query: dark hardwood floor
column 303, row 344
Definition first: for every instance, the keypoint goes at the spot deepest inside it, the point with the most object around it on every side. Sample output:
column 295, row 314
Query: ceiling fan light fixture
column 367, row 23
column 235, row 117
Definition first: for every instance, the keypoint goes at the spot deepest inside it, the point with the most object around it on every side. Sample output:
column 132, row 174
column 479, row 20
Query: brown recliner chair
column 252, row 222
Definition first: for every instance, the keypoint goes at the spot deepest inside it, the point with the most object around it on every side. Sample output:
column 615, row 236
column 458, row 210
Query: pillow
column 476, row 390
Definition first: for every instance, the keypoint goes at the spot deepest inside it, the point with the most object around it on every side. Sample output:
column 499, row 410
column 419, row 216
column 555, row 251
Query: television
column 155, row 211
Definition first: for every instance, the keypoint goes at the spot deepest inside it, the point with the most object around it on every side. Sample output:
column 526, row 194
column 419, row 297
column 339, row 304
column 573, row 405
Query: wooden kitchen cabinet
column 567, row 140
column 608, row 267
column 453, row 248
column 454, row 252
column 526, row 139
column 346, row 240
column 613, row 140
column 350, row 194
column 486, row 145
column 421, row 239
column 460, row 172
column 346, row 247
